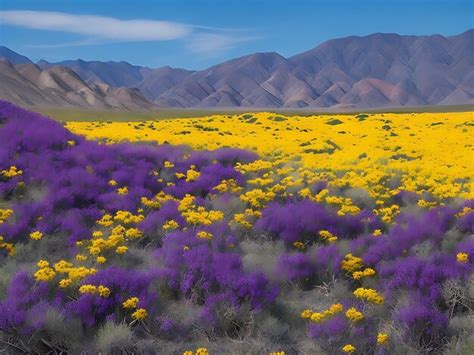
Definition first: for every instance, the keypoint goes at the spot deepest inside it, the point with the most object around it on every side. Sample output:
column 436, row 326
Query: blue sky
column 195, row 34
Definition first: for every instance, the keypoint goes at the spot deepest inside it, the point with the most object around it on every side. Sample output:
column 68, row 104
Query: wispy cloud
column 97, row 26
column 99, row 29
column 214, row 44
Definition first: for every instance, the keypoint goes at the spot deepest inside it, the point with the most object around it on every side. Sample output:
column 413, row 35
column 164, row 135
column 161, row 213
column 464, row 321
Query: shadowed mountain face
column 373, row 71
column 30, row 85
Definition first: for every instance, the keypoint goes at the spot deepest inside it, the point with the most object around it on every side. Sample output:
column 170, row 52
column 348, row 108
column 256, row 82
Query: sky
column 196, row 34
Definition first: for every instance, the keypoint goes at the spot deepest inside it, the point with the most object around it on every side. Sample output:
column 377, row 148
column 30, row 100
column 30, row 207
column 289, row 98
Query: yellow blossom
column 382, row 338
column 65, row 283
column 140, row 314
column 36, row 235
column 462, row 257
column 354, row 315
column 204, row 235
column 122, row 190
column 131, row 303
column 121, row 250
column 88, row 289
column 348, row 348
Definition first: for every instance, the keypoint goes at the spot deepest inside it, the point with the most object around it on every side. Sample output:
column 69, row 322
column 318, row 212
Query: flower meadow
column 244, row 234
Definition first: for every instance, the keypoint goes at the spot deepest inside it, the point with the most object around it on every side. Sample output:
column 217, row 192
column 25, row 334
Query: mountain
column 152, row 82
column 28, row 84
column 111, row 73
column 373, row 71
column 13, row 57
column 379, row 70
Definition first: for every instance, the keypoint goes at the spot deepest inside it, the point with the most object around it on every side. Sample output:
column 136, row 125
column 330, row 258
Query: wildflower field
column 245, row 234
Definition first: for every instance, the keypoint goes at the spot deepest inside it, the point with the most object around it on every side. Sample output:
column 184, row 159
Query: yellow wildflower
column 462, row 257
column 348, row 348
column 140, row 314
column 382, row 338
column 130, row 303
column 36, row 235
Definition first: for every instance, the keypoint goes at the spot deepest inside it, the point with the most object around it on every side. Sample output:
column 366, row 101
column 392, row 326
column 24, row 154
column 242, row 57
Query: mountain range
column 379, row 70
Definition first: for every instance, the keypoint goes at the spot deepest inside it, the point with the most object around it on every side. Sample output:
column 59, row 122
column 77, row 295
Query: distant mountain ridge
column 379, row 70
column 29, row 85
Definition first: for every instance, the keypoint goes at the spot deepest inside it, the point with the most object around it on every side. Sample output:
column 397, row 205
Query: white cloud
column 214, row 44
column 97, row 30
column 97, row 26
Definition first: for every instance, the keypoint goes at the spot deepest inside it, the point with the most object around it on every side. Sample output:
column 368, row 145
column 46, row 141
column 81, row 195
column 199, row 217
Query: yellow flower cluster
column 201, row 216
column 192, row 175
column 319, row 317
column 122, row 190
column 256, row 165
column 133, row 233
column 351, row 263
column 197, row 214
column 9, row 247
column 102, row 291
column 357, row 275
column 63, row 266
column 204, row 235
column 121, row 232
column 369, row 294
column 354, row 315
column 426, row 204
column 387, row 214
column 377, row 233
column 257, row 197
column 140, row 314
column 416, row 150
column 150, row 203
column 64, row 283
column 261, row 181
column 106, row 220
column 186, row 203
column 167, row 164
column 36, row 235
column 127, row 217
column 80, row 273
column 298, row 245
column 348, row 348
column 131, row 303
column 382, row 338
column 121, row 249
column 243, row 218
column 199, row 351
column 11, row 172
column 5, row 214
column 228, row 185
column 462, row 257
column 171, row 224
column 328, row 236
column 45, row 272
column 465, row 211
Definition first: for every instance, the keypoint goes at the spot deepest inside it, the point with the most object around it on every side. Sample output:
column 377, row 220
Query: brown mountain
column 28, row 84
column 371, row 71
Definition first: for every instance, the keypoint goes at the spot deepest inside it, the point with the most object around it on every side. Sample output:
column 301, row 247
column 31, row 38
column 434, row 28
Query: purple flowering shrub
column 137, row 247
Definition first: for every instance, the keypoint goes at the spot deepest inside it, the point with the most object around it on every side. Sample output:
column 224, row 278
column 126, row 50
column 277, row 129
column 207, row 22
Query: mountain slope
column 371, row 71
column 152, row 82
column 28, row 84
